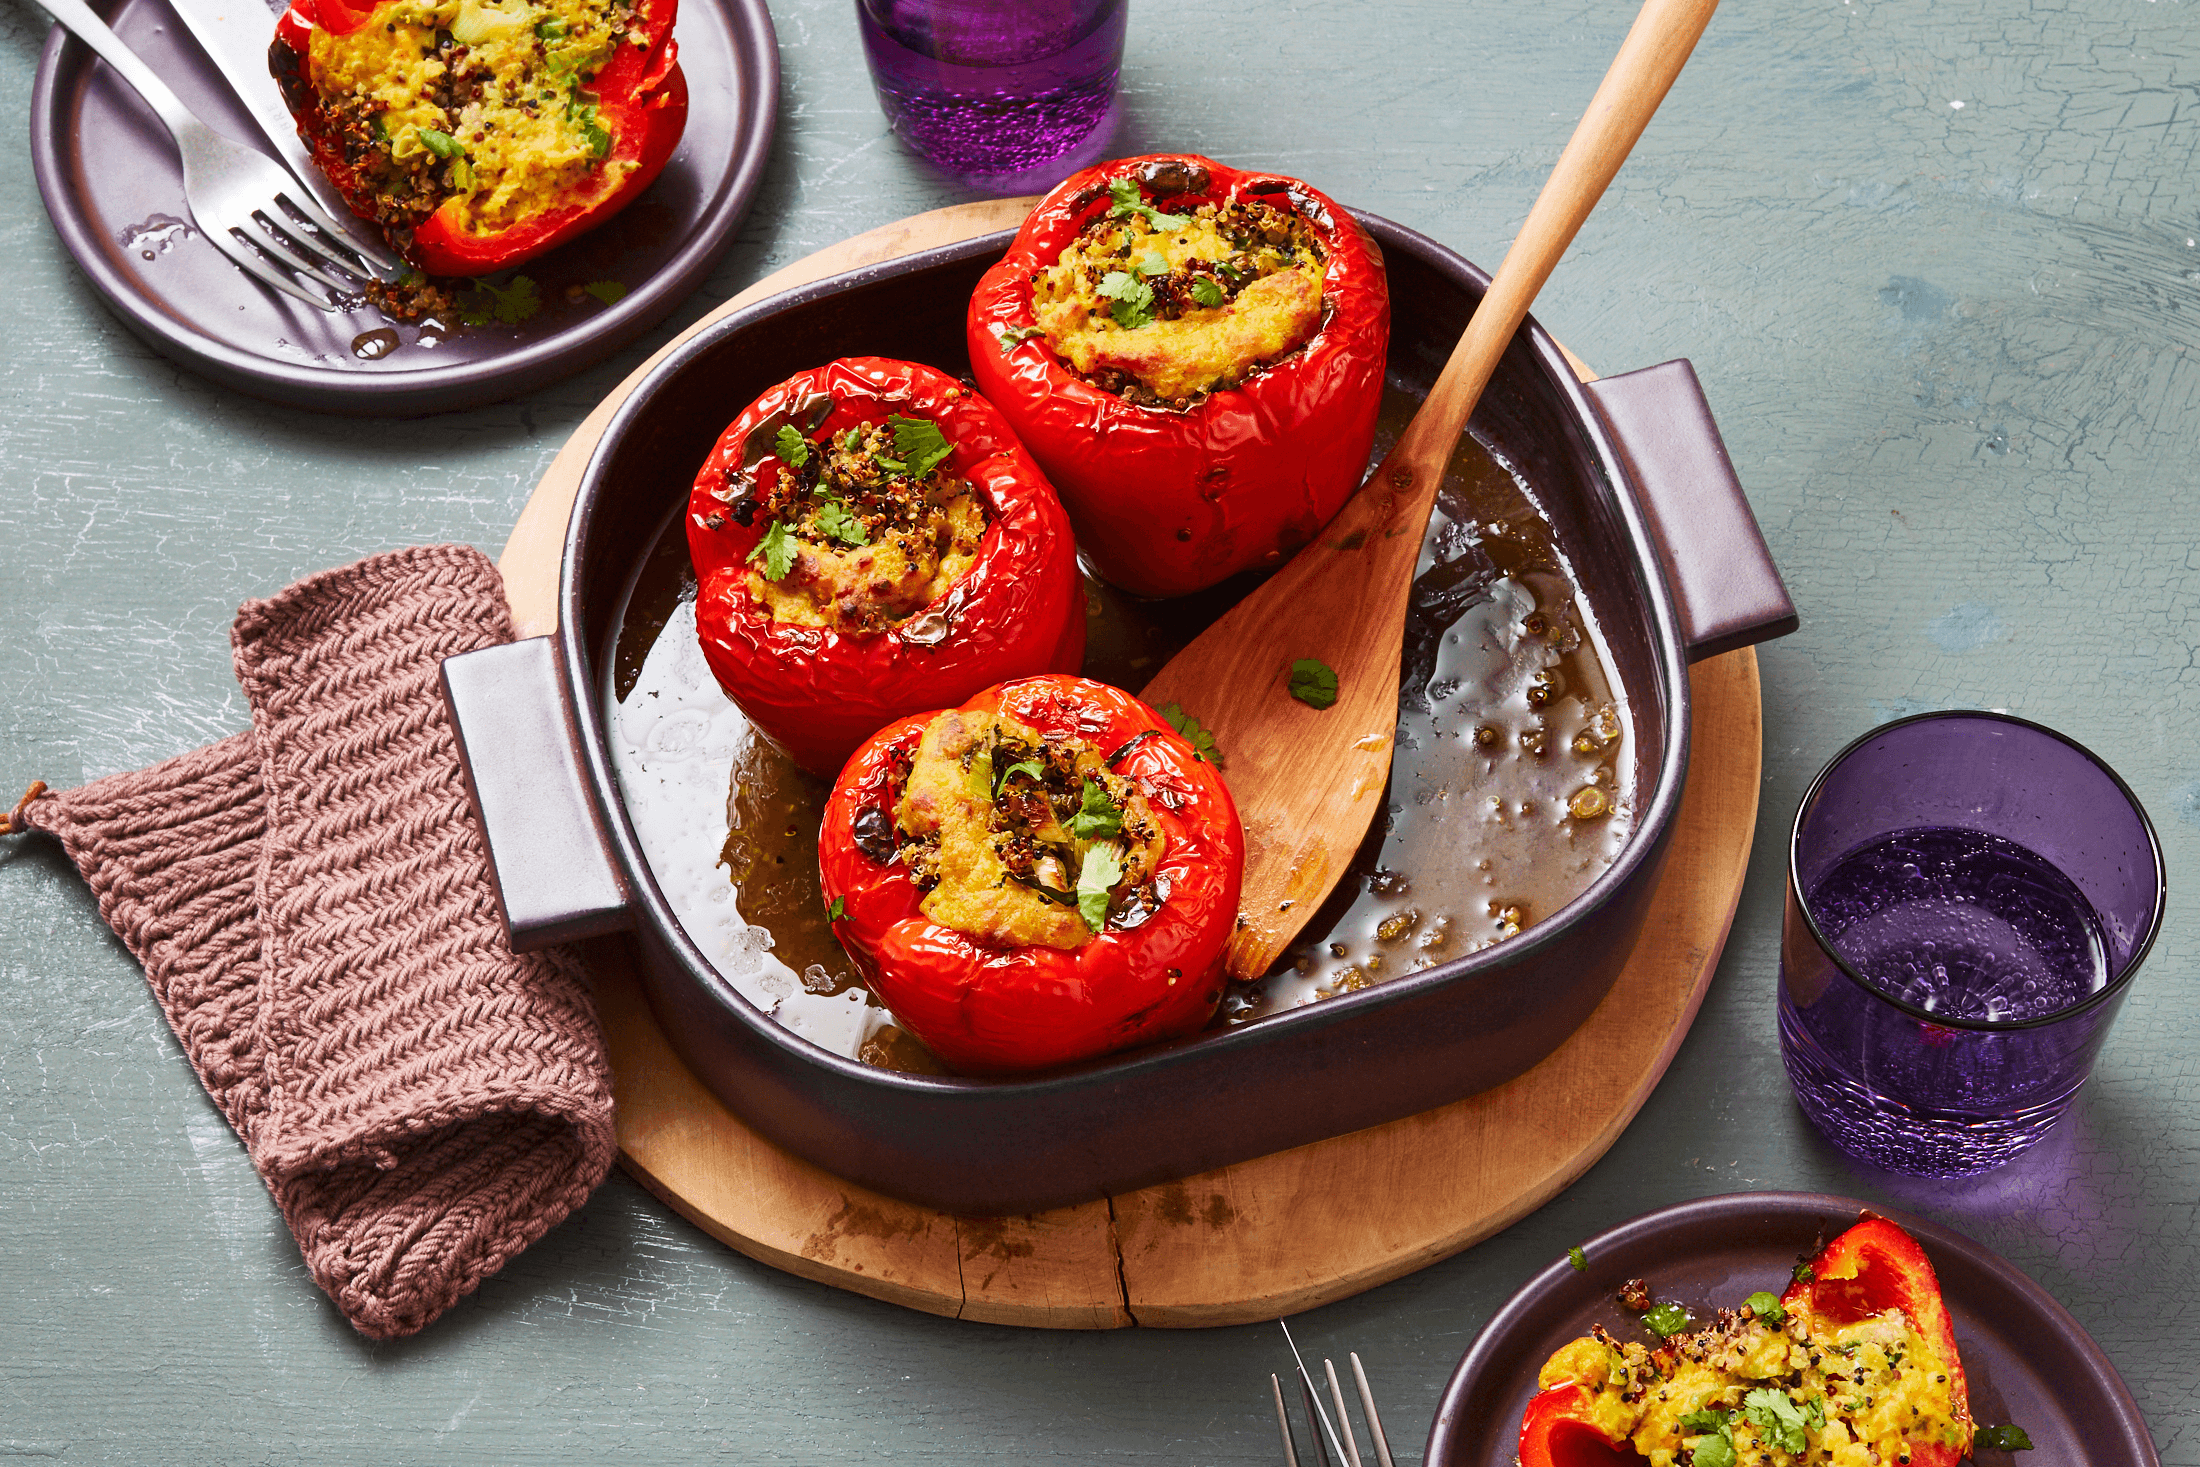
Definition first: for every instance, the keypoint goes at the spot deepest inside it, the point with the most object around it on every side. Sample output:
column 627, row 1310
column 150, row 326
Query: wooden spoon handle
column 1664, row 33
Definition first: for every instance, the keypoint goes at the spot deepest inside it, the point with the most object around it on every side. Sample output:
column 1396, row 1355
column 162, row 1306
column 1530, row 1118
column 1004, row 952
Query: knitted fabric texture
column 311, row 902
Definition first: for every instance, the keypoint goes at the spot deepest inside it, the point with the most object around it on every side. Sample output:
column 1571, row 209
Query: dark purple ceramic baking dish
column 2027, row 1361
column 1643, row 502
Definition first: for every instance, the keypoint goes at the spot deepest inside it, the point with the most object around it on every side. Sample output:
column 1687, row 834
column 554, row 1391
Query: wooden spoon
column 1308, row 781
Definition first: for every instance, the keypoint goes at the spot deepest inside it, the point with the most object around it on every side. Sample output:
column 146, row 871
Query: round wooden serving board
column 1250, row 1242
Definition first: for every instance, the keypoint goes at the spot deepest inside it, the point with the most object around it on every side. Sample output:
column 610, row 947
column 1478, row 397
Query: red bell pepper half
column 639, row 104
column 1153, row 971
column 1169, row 501
column 818, row 692
column 1871, row 1268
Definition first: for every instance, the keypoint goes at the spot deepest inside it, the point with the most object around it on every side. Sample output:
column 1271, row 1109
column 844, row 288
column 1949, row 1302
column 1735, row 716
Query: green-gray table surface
column 1936, row 266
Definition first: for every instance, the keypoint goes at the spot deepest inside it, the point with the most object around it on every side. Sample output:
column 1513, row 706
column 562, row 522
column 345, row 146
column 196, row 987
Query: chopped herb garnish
column 1578, row 1259
column 1766, row 1306
column 510, row 304
column 1151, row 263
column 1032, row 767
column 1313, row 682
column 834, row 521
column 598, row 136
column 1711, row 1418
column 1102, row 869
column 1202, row 742
column 851, row 440
column 442, row 144
column 793, row 449
column 1129, row 201
column 607, row 291
column 1667, row 1319
column 838, row 911
column 1017, row 335
column 920, row 443
column 1779, row 1421
column 775, row 550
column 1206, row 292
column 1715, row 1450
column 1100, row 818
column 1803, row 1274
column 2004, row 1438
column 550, row 30
column 1133, row 299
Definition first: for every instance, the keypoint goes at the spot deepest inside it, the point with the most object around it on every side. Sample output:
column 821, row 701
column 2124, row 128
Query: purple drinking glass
column 1969, row 895
column 1008, row 95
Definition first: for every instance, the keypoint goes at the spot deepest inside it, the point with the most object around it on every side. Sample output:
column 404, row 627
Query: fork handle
column 87, row 27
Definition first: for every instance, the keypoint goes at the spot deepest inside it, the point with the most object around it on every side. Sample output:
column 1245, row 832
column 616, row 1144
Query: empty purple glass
column 1969, row 895
column 1004, row 94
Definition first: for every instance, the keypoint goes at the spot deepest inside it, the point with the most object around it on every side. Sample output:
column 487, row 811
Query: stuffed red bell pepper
column 1046, row 874
column 869, row 538
column 1195, row 354
column 1855, row 1364
column 480, row 133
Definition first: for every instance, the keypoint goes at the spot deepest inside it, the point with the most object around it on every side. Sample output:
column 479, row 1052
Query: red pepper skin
column 641, row 97
column 1873, row 1267
column 1165, row 502
column 998, row 1011
column 817, row 693
column 1553, row 1433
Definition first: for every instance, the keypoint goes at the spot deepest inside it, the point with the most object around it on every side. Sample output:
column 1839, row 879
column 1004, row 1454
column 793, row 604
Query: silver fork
column 1317, row 1420
column 245, row 203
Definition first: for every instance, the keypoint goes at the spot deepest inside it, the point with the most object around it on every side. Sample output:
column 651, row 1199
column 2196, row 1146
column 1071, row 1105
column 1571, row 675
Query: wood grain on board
column 1252, row 1241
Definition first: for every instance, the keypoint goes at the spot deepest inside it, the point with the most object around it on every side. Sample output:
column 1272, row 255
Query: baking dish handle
column 549, row 856
column 1724, row 582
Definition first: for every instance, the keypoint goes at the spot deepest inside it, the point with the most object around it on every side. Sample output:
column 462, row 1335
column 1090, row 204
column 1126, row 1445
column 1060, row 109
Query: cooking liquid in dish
column 1512, row 784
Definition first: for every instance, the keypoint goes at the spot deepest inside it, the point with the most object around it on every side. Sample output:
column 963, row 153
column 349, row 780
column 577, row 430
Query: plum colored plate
column 2026, row 1359
column 114, row 190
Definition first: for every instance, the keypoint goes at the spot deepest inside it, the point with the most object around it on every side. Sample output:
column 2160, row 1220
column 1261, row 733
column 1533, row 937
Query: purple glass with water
column 1006, row 94
column 1969, row 896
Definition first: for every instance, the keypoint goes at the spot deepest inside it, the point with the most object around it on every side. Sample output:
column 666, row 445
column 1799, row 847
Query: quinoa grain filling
column 1164, row 308
column 864, row 529
column 1022, row 841
column 484, row 101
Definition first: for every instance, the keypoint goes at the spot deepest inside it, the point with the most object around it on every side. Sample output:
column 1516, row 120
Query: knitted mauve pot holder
column 311, row 902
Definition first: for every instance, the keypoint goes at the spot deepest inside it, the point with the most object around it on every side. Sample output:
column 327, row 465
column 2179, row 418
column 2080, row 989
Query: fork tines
column 1340, row 1436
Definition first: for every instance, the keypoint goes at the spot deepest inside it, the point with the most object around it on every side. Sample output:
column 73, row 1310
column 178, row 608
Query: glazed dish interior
column 1532, row 730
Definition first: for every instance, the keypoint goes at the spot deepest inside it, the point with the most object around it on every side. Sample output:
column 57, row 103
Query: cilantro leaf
column 1710, row 1418
column 1779, row 1421
column 1803, row 1273
column 834, row 521
column 607, row 291
column 1580, row 1261
column 1313, row 682
column 775, row 550
column 1151, row 263
column 851, row 440
column 1202, row 742
column 1206, row 292
column 1010, row 336
column 793, row 449
column 1766, row 1306
column 1102, row 869
column 920, row 443
column 1133, row 299
column 511, row 303
column 1100, row 818
column 1129, row 201
column 1667, row 1319
column 1031, row 767
column 1715, row 1450
column 442, row 144
column 2004, row 1438
column 838, row 911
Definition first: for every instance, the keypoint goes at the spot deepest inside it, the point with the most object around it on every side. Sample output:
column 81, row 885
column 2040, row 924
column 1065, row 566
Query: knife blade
column 235, row 35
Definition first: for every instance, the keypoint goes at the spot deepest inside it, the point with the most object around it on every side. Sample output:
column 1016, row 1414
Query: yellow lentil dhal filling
column 1024, row 842
column 485, row 101
column 1165, row 308
column 864, row 530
